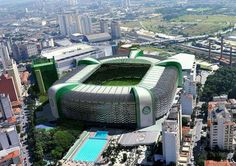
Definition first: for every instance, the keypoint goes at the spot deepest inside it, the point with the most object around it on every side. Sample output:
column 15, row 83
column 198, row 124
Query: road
column 24, row 139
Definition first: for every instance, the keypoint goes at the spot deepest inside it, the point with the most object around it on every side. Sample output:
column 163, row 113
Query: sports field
column 122, row 82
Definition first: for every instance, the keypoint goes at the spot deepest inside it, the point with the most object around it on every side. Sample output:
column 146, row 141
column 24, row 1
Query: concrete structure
column 7, row 86
column 222, row 126
column 27, row 50
column 9, row 147
column 187, row 103
column 172, row 136
column 115, row 30
column 84, row 24
column 6, row 112
column 71, row 23
column 4, row 55
column 139, row 105
column 67, row 57
column 45, row 73
column 126, row 4
column 104, row 26
column 13, row 72
column 100, row 37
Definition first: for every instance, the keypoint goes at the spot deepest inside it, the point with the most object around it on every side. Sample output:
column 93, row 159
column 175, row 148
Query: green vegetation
column 216, row 155
column 222, row 82
column 186, row 24
column 118, row 74
column 51, row 145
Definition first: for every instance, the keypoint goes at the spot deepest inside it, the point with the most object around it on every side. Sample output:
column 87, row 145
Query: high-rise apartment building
column 4, row 55
column 7, row 86
column 9, row 147
column 104, row 26
column 84, row 24
column 115, row 30
column 222, row 125
column 13, row 72
column 71, row 23
column 172, row 135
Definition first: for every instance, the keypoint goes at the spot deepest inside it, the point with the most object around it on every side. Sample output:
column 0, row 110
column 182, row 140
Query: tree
column 222, row 82
column 63, row 139
column 185, row 121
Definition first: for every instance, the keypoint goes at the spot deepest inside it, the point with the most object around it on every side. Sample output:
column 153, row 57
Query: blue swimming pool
column 92, row 148
column 101, row 134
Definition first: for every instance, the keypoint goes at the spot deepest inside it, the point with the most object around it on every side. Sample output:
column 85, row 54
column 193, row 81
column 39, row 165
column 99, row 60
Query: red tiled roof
column 216, row 163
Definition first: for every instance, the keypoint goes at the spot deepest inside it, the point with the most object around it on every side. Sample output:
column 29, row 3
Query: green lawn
column 186, row 25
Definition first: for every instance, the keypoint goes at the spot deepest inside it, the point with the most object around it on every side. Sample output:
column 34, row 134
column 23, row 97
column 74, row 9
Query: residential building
column 45, row 73
column 115, row 30
column 4, row 55
column 187, row 103
column 71, row 23
column 7, row 86
column 217, row 163
column 104, row 26
column 13, row 72
column 84, row 24
column 6, row 112
column 9, row 147
column 172, row 136
column 221, row 124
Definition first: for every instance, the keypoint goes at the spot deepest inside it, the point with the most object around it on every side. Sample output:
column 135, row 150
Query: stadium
column 132, row 90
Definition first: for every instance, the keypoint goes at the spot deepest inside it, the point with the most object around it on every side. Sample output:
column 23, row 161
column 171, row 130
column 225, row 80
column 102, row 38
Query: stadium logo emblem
column 146, row 110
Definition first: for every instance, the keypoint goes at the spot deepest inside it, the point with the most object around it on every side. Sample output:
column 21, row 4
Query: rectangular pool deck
column 88, row 148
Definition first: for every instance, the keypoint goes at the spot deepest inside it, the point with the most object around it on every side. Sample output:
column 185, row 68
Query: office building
column 92, row 96
column 172, row 136
column 67, row 57
column 45, row 73
column 126, row 4
column 115, row 30
column 221, row 123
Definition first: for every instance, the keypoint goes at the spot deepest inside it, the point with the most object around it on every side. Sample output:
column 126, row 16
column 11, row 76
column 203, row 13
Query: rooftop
column 216, row 163
column 186, row 60
column 65, row 52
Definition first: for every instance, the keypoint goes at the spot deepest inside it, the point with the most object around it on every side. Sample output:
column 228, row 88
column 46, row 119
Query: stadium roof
column 98, row 37
column 67, row 52
column 186, row 60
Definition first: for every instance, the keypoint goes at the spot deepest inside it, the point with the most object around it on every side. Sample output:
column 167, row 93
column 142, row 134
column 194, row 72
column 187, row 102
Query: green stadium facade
column 45, row 73
column 83, row 94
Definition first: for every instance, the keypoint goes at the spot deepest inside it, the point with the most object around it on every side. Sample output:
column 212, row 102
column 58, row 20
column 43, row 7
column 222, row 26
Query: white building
column 84, row 24
column 12, row 71
column 188, row 63
column 171, row 136
column 4, row 55
column 71, row 23
column 187, row 103
column 67, row 57
column 222, row 127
